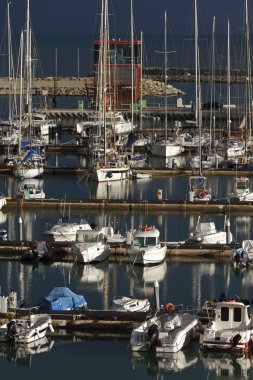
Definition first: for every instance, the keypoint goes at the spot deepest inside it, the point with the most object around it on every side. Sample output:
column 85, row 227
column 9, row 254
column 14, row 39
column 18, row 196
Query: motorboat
column 146, row 248
column 90, row 246
column 24, row 331
column 198, row 190
column 113, row 170
column 130, row 303
column 206, row 233
column 62, row 298
column 29, row 191
column 241, row 190
column 65, row 229
column 243, row 255
column 232, row 327
column 40, row 250
column 169, row 330
column 139, row 175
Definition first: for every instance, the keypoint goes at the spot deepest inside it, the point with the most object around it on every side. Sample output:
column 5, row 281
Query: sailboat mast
column 248, row 86
column 165, row 76
column 105, row 42
column 132, row 63
column 228, row 85
column 141, row 92
column 212, row 115
column 198, row 88
column 21, row 92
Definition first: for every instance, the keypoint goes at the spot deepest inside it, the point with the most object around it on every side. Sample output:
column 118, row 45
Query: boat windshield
column 242, row 185
column 89, row 238
column 144, row 241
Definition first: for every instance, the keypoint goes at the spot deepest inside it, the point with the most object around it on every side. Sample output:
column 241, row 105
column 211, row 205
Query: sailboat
column 198, row 184
column 114, row 169
column 30, row 163
column 165, row 147
column 230, row 146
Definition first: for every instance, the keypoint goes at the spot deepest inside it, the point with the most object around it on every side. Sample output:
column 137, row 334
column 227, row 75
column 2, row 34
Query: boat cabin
column 147, row 236
column 90, row 236
column 232, row 314
column 241, row 185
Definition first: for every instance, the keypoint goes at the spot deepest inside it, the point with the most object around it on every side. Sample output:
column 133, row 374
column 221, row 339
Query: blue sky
column 79, row 16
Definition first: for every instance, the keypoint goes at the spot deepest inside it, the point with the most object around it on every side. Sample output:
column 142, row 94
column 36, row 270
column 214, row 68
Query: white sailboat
column 30, row 164
column 197, row 184
column 165, row 147
column 114, row 169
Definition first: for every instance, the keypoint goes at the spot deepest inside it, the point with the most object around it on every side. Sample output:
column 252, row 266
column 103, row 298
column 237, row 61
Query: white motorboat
column 90, row 246
column 146, row 248
column 198, row 190
column 65, row 230
column 206, row 233
column 115, row 170
column 124, row 303
column 168, row 331
column 232, row 327
column 139, row 175
column 241, row 190
column 26, row 331
column 29, row 191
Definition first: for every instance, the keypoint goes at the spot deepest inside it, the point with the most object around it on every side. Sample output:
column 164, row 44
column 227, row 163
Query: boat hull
column 147, row 256
column 27, row 173
column 89, row 254
column 110, row 174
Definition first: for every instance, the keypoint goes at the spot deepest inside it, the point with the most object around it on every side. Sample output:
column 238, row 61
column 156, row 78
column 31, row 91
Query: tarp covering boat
column 62, row 298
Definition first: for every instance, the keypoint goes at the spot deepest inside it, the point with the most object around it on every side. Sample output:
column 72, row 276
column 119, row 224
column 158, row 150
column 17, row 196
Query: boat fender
column 170, row 308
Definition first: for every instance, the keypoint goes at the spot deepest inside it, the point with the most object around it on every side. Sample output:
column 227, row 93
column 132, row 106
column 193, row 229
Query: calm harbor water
column 189, row 282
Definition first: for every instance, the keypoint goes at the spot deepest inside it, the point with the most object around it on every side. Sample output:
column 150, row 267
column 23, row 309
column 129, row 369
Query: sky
column 70, row 17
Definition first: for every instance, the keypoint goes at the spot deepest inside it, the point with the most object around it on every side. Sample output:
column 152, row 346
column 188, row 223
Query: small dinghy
column 41, row 250
column 129, row 303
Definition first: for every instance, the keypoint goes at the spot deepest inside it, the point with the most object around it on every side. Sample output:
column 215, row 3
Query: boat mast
column 141, row 91
column 165, row 76
column 228, row 85
column 198, row 113
column 212, row 115
column 248, row 100
column 132, row 64
column 21, row 92
column 105, row 46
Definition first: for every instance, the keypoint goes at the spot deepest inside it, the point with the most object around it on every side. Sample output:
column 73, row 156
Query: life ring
column 170, row 308
column 202, row 195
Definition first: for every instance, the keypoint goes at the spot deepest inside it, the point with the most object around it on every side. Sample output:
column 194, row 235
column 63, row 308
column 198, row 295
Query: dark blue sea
column 188, row 282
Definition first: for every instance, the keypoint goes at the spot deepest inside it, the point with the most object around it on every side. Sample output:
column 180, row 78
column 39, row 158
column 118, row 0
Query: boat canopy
column 62, row 298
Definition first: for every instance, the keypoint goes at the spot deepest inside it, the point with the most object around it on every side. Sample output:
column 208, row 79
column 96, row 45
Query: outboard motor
column 235, row 340
column 153, row 334
column 11, row 329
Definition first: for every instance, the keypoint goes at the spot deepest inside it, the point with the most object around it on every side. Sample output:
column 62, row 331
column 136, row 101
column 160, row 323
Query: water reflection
column 144, row 277
column 90, row 275
column 227, row 366
column 161, row 364
column 21, row 355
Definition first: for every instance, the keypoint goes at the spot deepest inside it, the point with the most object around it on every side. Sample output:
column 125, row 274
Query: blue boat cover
column 61, row 298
